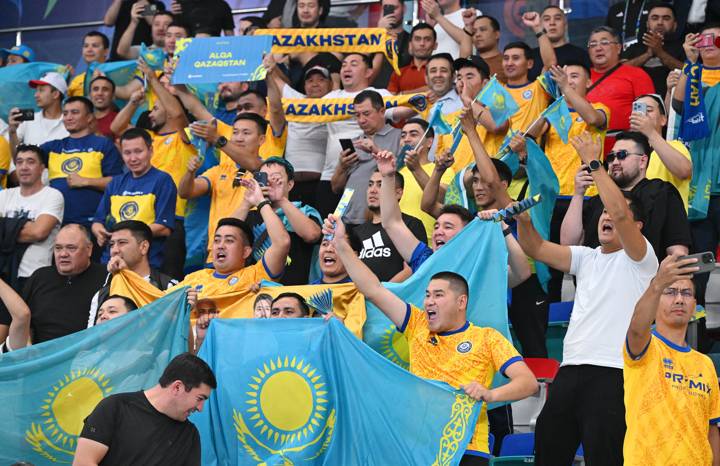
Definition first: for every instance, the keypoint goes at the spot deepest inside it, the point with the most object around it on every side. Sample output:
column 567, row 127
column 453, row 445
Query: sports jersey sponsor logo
column 687, row 383
column 168, row 141
column 72, row 165
column 129, row 210
column 464, row 347
column 223, row 177
column 374, row 247
column 667, row 362
column 527, row 95
column 232, row 281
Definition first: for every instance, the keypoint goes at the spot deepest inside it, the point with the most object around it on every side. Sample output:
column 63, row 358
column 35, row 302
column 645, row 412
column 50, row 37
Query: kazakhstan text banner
column 304, row 391
column 220, row 59
column 329, row 110
column 47, row 390
column 369, row 40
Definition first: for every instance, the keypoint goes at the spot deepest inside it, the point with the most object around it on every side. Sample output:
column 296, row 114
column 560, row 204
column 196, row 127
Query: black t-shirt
column 300, row 255
column 567, row 53
column 136, row 433
column 632, row 26
column 658, row 72
column 207, row 16
column 60, row 305
column 143, row 32
column 666, row 220
column 377, row 250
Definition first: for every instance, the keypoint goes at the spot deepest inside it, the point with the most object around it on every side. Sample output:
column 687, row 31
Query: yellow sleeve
column 77, row 86
column 211, row 174
column 448, row 177
column 640, row 359
column 680, row 147
column 714, row 396
column 503, row 352
column 412, row 320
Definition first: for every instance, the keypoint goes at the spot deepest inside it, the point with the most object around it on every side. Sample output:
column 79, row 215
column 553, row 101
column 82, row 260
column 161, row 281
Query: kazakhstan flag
column 47, row 390
column 14, row 88
column 558, row 115
column 498, row 100
column 305, row 391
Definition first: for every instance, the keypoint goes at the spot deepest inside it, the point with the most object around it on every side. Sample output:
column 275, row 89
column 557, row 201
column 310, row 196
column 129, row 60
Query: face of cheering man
column 230, row 249
column 440, row 76
column 445, row 306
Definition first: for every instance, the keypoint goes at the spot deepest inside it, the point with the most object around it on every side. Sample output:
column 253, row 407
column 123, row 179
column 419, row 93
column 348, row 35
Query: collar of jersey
column 682, row 349
column 217, row 274
column 453, row 332
column 518, row 86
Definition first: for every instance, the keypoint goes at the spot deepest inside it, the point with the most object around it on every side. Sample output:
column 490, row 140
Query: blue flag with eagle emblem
column 47, row 390
column 305, row 391
column 558, row 115
column 498, row 100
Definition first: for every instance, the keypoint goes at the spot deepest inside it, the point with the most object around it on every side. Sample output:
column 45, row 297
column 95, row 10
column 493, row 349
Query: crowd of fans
column 92, row 188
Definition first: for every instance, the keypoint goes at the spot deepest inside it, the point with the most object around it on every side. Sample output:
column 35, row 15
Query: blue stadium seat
column 491, row 442
column 560, row 312
column 518, row 445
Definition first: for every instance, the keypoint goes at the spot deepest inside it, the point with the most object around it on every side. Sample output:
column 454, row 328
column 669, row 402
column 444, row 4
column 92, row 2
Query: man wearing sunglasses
column 666, row 228
column 671, row 391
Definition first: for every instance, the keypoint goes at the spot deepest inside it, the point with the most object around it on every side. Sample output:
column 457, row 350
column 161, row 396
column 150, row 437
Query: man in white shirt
column 446, row 17
column 587, row 400
column 47, row 125
column 41, row 205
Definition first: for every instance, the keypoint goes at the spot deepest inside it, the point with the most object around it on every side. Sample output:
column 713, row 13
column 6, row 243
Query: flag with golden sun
column 306, row 391
column 47, row 390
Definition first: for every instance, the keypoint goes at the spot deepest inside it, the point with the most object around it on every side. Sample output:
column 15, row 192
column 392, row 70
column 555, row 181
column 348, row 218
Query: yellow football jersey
column 458, row 358
column 209, row 282
column 657, row 169
column 77, row 86
column 563, row 157
column 671, row 398
column 464, row 154
column 171, row 154
column 4, row 161
column 532, row 100
column 710, row 76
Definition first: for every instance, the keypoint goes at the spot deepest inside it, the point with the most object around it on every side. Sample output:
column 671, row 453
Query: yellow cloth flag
column 342, row 299
column 360, row 40
column 329, row 110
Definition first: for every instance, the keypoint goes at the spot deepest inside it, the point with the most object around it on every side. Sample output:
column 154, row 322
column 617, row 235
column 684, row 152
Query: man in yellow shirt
column 672, row 403
column 442, row 344
column 232, row 246
column 670, row 160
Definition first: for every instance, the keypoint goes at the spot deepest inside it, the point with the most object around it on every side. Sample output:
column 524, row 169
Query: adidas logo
column 374, row 247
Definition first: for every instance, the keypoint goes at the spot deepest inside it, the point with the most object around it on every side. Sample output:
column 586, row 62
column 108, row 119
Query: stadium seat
column 513, row 460
column 526, row 412
column 491, row 442
column 518, row 445
column 560, row 312
column 544, row 369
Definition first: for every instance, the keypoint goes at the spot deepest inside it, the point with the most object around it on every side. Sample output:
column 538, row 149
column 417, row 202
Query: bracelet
column 507, row 231
column 538, row 34
column 263, row 204
column 467, row 32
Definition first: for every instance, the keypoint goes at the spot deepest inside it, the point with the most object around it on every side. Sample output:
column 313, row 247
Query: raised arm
column 693, row 54
column 191, row 187
column 571, row 230
column 592, row 116
column 174, row 111
column 366, row 282
column 112, row 13
column 274, row 94
column 670, row 271
column 431, row 201
column 192, row 103
column 674, row 160
column 390, row 213
column 19, row 332
column 124, row 116
column 556, row 256
column 531, row 19
column 632, row 240
column 124, row 47
column 435, row 16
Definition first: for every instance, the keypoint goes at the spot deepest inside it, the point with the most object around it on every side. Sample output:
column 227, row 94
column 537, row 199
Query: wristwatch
column 221, row 142
column 538, row 34
column 593, row 166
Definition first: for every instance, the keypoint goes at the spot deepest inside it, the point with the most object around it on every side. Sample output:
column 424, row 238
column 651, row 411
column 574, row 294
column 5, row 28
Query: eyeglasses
column 686, row 293
column 603, row 43
column 238, row 176
column 620, row 155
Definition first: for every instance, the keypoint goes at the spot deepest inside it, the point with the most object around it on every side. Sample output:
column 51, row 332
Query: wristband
column 507, row 231
column 467, row 32
column 263, row 204
column 538, row 34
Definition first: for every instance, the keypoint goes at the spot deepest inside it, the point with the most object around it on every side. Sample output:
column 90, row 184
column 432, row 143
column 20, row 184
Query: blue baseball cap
column 21, row 51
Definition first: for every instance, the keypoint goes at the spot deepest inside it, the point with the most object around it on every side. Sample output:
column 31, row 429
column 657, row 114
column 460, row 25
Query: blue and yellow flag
column 498, row 100
column 706, row 167
column 438, row 122
column 558, row 115
column 14, row 88
column 549, row 84
column 304, row 391
column 47, row 390
column 155, row 58
column 694, row 122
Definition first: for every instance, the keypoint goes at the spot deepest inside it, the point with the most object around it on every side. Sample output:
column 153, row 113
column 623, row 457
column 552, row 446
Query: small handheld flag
column 155, row 58
column 558, row 115
column 520, row 207
column 341, row 207
column 498, row 100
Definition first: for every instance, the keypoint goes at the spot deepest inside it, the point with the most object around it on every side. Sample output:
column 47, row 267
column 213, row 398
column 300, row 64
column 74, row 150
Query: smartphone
column 26, row 114
column 149, row 10
column 347, row 144
column 705, row 261
column 706, row 40
column 639, row 107
column 388, row 9
column 261, row 178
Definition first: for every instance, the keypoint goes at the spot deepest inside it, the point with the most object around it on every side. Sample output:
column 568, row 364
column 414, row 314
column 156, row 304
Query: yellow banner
column 342, row 299
column 365, row 41
column 329, row 110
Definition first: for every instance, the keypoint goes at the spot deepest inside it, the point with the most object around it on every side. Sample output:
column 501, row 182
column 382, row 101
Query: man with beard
column 667, row 228
column 661, row 49
column 423, row 41
column 102, row 93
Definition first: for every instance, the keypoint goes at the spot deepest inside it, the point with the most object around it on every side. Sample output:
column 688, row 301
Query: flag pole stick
column 422, row 138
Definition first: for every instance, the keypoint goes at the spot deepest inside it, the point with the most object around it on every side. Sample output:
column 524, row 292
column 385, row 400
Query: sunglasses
column 238, row 176
column 620, row 155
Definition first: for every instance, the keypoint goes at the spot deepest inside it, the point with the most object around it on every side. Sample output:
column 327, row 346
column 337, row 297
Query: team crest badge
column 464, row 347
column 527, row 95
column 232, row 281
column 129, row 210
column 72, row 165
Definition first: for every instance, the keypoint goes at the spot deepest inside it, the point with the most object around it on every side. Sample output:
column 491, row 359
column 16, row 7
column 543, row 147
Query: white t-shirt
column 41, row 130
column 47, row 201
column 608, row 287
column 305, row 147
column 345, row 129
column 445, row 43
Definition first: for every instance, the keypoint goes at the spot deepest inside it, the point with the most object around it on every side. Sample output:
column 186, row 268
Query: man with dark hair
column 129, row 247
column 440, row 78
column 660, row 49
column 377, row 250
column 120, row 428
column 113, row 307
column 289, row 306
column 95, row 49
column 446, row 16
column 355, row 167
column 302, row 222
column 554, row 26
column 143, row 193
column 667, row 228
column 41, row 206
column 392, row 20
column 148, row 29
column 102, row 96
column 82, row 164
column 485, row 32
column 586, row 404
column 442, row 344
column 422, row 44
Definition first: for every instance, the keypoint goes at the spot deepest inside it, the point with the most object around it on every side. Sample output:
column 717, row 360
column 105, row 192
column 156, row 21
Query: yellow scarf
column 329, row 110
